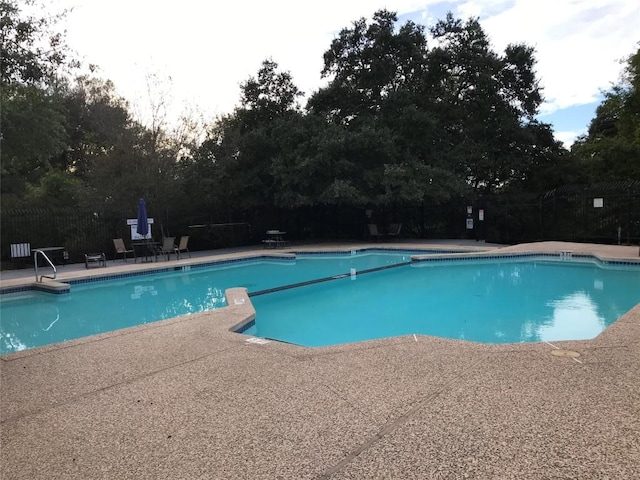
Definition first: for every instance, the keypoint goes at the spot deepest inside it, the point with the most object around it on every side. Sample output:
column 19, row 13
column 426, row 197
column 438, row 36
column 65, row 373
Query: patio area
column 187, row 398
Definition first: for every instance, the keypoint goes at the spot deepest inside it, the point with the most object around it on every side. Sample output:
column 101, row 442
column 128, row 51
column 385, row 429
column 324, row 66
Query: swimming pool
column 32, row 318
column 561, row 300
column 492, row 301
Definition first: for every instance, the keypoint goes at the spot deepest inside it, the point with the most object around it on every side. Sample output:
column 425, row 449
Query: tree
column 33, row 130
column 233, row 166
column 95, row 119
column 611, row 148
column 32, row 51
column 269, row 96
column 455, row 116
column 379, row 94
column 32, row 114
column 366, row 64
column 490, row 101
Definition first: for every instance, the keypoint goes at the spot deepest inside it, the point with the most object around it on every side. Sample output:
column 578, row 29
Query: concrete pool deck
column 187, row 398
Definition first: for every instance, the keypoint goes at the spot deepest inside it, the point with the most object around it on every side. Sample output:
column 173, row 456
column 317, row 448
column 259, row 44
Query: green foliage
column 233, row 167
column 96, row 121
column 73, row 144
column 33, row 130
column 32, row 52
column 404, row 121
column 270, row 96
column 397, row 123
column 32, row 114
column 457, row 116
column 611, row 149
column 56, row 190
column 491, row 101
column 367, row 63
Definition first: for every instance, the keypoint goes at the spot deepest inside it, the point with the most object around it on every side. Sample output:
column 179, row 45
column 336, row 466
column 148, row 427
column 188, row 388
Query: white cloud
column 579, row 43
column 567, row 138
column 209, row 48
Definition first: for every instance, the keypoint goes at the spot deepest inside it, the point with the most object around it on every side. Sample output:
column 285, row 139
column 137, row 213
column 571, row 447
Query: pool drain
column 565, row 353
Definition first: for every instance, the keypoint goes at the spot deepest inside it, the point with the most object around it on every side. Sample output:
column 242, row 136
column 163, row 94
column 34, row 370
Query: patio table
column 146, row 249
column 275, row 239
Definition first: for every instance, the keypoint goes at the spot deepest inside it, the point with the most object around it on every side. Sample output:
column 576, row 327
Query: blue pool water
column 482, row 301
column 486, row 301
column 32, row 319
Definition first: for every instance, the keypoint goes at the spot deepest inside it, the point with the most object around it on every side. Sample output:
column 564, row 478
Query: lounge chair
column 373, row 232
column 167, row 248
column 183, row 246
column 118, row 243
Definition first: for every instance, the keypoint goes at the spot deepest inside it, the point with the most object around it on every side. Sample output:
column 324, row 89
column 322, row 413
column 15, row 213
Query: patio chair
column 183, row 246
column 20, row 252
column 394, row 230
column 373, row 232
column 95, row 258
column 167, row 248
column 118, row 243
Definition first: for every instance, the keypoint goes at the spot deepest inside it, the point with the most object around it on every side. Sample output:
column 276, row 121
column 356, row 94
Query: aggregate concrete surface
column 189, row 399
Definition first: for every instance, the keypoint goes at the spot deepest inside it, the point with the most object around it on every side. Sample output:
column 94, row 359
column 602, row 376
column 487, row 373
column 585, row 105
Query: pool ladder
column 35, row 263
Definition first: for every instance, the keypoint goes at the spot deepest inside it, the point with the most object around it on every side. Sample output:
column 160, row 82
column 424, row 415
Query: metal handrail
column 35, row 263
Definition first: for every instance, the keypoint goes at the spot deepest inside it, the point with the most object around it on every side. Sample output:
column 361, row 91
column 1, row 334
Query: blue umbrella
column 143, row 223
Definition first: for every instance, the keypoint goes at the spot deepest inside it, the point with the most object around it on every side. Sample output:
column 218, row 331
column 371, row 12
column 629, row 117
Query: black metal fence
column 602, row 213
column 81, row 232
column 78, row 232
column 605, row 213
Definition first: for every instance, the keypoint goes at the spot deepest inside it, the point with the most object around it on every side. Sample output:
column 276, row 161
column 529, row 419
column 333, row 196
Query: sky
column 194, row 54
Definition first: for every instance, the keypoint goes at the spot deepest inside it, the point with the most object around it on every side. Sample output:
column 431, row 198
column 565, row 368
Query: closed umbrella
column 143, row 224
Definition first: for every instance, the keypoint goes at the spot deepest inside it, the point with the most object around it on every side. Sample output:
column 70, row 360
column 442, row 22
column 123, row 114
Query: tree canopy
column 409, row 116
column 32, row 115
column 71, row 141
column 457, row 115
